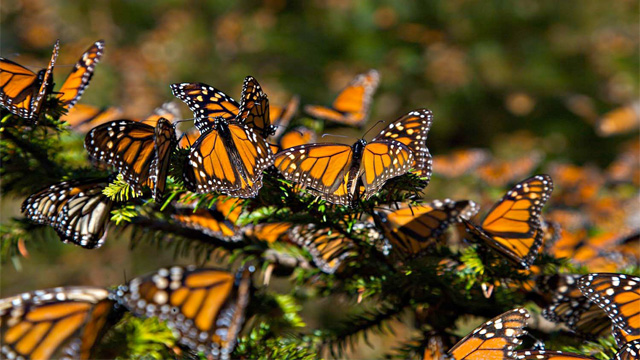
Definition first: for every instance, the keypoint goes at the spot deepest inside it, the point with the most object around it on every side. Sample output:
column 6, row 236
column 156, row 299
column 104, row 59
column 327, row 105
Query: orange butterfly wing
column 549, row 355
column 381, row 161
column 351, row 107
column 296, row 137
column 206, row 102
column 281, row 116
column 80, row 75
column 254, row 108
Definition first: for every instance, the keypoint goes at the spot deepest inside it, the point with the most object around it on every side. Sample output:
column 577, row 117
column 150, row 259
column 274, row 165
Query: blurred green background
column 510, row 76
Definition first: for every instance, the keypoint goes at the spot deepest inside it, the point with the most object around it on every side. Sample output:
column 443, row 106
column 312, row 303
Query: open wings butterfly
column 54, row 323
column 140, row 152
column 351, row 107
column 204, row 306
column 76, row 209
column 513, row 226
column 494, row 339
column 335, row 171
column 22, row 91
column 230, row 155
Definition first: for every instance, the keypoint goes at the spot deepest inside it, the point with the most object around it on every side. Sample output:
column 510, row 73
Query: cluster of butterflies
column 205, row 308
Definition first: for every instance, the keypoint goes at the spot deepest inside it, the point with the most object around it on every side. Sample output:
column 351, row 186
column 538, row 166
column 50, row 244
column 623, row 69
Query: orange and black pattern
column 80, row 75
column 204, row 307
column 76, row 209
column 138, row 151
column 495, row 339
column 351, row 107
column 327, row 246
column 549, row 355
column 218, row 220
column 54, row 323
column 513, row 226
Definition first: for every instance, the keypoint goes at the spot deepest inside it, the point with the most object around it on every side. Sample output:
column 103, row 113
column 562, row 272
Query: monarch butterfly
column 459, row 162
column 282, row 115
column 578, row 184
column 552, row 233
column 217, row 221
column 296, row 137
column 570, row 307
column 269, row 232
column 625, row 168
column 622, row 338
column 512, row 226
column 351, row 107
column 412, row 229
column 140, row 152
column 22, row 91
column 78, row 80
column 549, row 355
column 620, row 120
column 168, row 111
column 502, row 172
column 326, row 245
column 54, row 323
column 618, row 295
column 83, row 118
column 204, row 306
column 229, row 156
column 494, row 339
column 630, row 351
column 76, row 209
column 188, row 138
column 334, row 171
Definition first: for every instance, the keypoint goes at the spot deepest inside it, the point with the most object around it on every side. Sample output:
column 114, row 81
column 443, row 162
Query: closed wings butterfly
column 77, row 210
column 335, row 171
column 55, row 323
column 351, row 107
column 503, row 172
column 205, row 307
column 80, row 75
column 412, row 229
column 22, row 91
column 513, row 226
column 140, row 152
column 495, row 339
column 327, row 246
column 218, row 220
column 230, row 156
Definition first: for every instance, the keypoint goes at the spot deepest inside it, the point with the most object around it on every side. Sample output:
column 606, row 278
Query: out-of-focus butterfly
column 412, row 229
column 434, row 349
column 494, row 339
column 327, row 246
column 513, row 225
column 22, row 91
column 295, row 137
column 83, row 118
column 76, row 209
column 140, row 152
column 575, row 185
column 351, row 107
column 268, row 232
column 54, row 323
column 205, row 307
column 626, row 166
column 459, row 162
column 231, row 154
column 281, row 115
column 334, row 171
column 570, row 307
column 549, row 355
column 619, row 121
column 218, row 220
column 618, row 295
column 499, row 173
column 168, row 111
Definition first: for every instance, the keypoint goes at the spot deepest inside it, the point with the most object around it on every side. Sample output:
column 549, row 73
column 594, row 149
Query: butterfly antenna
column 340, row 136
column 372, row 127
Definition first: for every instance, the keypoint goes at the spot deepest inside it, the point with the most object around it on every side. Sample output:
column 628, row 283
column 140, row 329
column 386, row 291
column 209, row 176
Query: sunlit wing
column 296, row 137
column 80, row 75
column 206, row 102
column 254, row 108
column 381, row 161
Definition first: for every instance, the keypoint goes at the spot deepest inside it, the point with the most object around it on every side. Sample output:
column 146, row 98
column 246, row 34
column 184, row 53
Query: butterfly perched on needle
column 334, row 171
column 140, row 152
column 205, row 307
column 23, row 92
column 77, row 210
column 327, row 246
column 351, row 107
column 495, row 339
column 411, row 229
column 64, row 322
column 218, row 220
column 513, row 225
column 231, row 152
